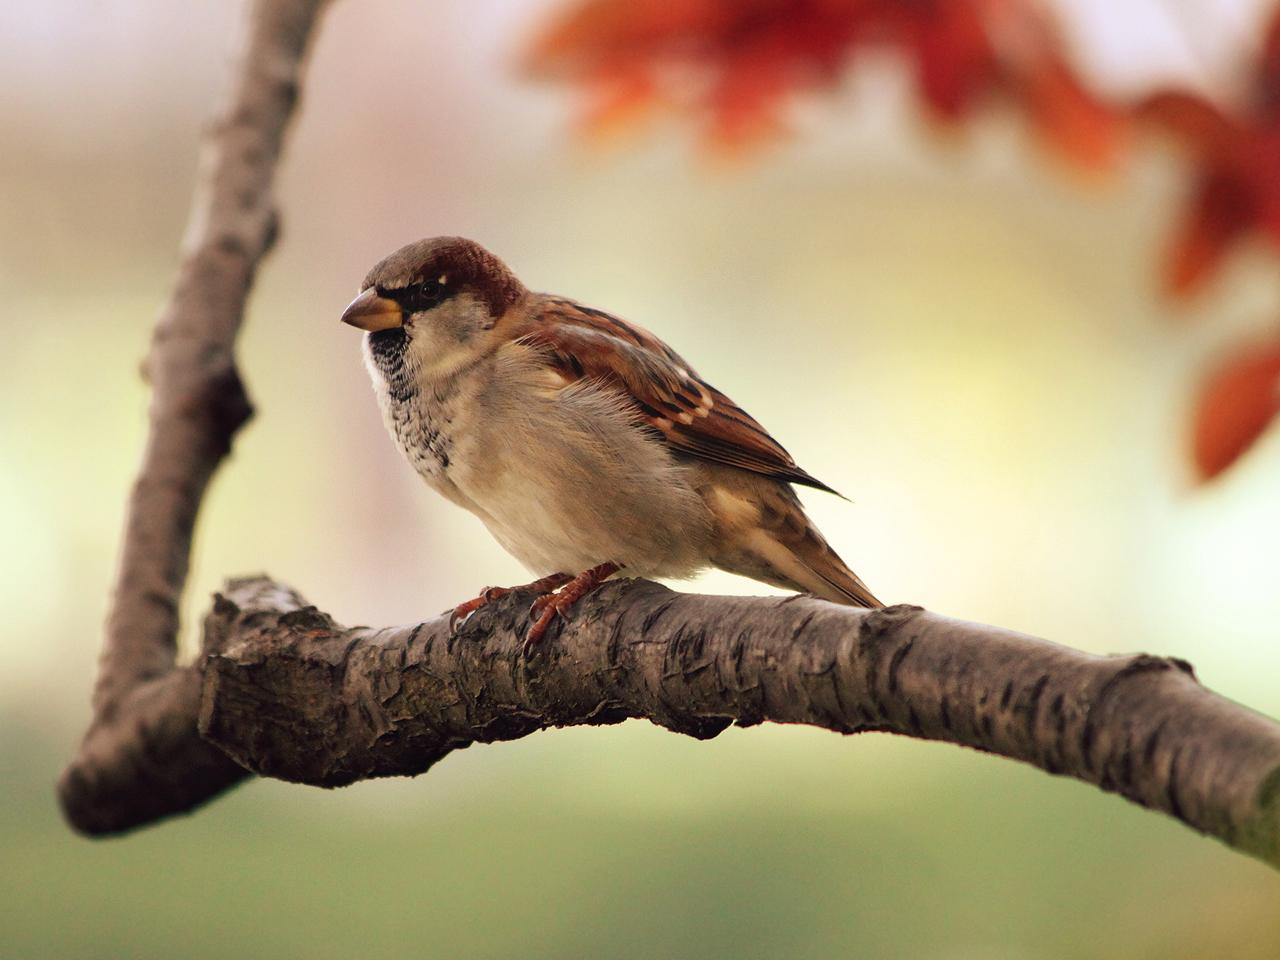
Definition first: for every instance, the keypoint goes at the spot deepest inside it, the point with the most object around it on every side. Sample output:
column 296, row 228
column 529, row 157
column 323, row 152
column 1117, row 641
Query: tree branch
column 198, row 403
column 288, row 693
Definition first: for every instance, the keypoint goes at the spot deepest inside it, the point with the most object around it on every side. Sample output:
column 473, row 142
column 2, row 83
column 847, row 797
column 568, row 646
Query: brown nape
column 467, row 265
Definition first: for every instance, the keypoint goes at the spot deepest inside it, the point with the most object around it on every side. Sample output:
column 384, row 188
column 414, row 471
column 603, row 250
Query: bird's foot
column 489, row 594
column 555, row 603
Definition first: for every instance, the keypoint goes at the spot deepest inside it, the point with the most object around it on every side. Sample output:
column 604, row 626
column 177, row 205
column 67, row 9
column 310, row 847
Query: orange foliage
column 739, row 62
column 1237, row 180
column 1236, row 405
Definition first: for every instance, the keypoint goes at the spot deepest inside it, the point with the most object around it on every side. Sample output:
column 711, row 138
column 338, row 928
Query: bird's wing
column 689, row 413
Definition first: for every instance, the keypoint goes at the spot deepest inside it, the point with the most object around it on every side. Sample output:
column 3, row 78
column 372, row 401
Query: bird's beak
column 372, row 312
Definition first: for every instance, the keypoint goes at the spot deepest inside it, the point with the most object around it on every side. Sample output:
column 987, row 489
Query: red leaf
column 1221, row 213
column 596, row 31
column 953, row 57
column 619, row 102
column 1198, row 123
column 737, row 62
column 1237, row 157
column 1236, row 405
column 1069, row 119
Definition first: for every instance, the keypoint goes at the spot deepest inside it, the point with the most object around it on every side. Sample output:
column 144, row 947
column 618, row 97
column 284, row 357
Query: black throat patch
column 387, row 348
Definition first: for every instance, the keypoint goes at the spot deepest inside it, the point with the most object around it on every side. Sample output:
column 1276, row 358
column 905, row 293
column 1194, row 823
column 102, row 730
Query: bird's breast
column 423, row 428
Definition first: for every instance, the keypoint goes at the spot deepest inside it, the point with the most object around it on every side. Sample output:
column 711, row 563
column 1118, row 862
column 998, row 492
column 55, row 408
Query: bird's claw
column 464, row 610
column 542, row 612
column 547, row 607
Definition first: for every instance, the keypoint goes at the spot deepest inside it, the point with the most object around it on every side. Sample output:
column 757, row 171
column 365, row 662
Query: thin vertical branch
column 198, row 401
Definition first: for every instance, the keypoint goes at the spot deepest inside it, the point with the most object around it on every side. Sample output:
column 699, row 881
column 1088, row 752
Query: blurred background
column 958, row 332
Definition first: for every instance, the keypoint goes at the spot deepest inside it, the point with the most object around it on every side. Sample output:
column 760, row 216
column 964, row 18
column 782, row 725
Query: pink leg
column 546, row 608
column 488, row 594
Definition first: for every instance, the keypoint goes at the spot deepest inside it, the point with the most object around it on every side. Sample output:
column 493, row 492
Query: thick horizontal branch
column 148, row 760
column 288, row 693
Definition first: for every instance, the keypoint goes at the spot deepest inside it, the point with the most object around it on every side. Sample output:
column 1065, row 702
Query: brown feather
column 690, row 414
column 763, row 533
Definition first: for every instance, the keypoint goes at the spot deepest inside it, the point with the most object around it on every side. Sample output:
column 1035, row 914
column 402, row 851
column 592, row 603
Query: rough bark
column 198, row 403
column 290, row 694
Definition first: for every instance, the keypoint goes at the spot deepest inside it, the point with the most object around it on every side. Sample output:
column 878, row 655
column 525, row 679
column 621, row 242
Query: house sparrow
column 584, row 443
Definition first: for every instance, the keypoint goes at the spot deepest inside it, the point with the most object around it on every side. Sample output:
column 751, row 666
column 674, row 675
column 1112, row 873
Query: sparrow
column 584, row 443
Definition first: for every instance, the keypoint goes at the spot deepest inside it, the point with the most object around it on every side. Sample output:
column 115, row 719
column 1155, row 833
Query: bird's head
column 432, row 305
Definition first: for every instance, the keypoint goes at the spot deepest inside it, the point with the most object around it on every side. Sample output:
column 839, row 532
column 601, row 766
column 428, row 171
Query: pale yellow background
column 955, row 331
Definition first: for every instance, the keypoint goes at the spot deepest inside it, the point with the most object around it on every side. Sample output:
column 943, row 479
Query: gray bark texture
column 281, row 690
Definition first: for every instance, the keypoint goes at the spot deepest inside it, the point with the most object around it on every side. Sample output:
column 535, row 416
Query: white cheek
column 437, row 355
column 448, row 337
column 366, row 351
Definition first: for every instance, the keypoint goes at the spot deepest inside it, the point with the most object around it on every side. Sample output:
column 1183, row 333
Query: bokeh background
column 962, row 337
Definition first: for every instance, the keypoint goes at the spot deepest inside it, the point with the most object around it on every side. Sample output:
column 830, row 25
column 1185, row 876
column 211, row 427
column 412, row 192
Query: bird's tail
column 828, row 576
column 785, row 548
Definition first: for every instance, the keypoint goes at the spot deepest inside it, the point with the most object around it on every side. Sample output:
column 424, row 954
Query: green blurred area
column 631, row 843
column 962, row 339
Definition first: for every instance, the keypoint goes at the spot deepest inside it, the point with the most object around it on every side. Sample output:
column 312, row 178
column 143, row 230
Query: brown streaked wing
column 692, row 415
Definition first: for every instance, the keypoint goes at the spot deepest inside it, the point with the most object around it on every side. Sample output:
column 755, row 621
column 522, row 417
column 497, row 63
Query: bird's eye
column 426, row 294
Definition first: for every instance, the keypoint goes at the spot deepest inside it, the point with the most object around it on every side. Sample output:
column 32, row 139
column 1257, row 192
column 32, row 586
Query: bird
column 584, row 443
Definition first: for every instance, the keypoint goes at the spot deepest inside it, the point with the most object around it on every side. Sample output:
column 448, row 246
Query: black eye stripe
column 419, row 296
